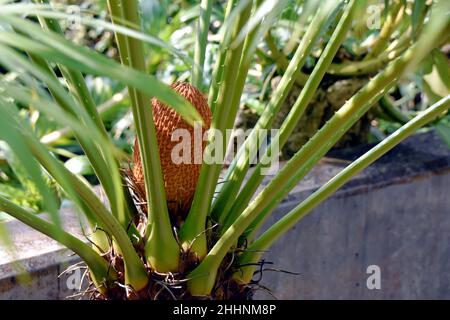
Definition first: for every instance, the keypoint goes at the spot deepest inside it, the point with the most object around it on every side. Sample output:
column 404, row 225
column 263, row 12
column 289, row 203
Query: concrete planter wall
column 393, row 218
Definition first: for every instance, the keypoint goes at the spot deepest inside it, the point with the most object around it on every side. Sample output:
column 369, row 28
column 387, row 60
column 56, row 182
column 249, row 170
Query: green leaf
column 55, row 48
column 258, row 247
column 417, row 11
column 100, row 269
column 443, row 67
column 79, row 165
column 256, row 105
column 59, row 12
column 444, row 132
column 24, row 191
column 201, row 43
column 10, row 134
column 161, row 258
column 263, row 18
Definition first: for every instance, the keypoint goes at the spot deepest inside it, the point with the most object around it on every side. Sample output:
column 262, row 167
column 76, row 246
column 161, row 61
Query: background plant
column 216, row 251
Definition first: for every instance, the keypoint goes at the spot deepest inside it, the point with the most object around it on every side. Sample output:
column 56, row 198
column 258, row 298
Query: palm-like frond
column 34, row 51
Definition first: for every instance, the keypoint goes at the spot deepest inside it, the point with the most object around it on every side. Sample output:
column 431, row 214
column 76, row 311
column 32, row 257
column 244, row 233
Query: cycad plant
column 149, row 241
